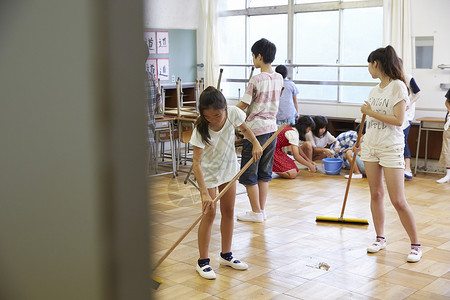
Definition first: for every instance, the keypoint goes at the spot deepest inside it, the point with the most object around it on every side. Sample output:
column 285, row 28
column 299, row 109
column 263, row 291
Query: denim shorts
column 262, row 169
column 390, row 158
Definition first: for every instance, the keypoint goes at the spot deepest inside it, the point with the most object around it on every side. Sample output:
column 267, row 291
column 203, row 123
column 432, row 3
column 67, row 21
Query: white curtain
column 397, row 30
column 210, row 41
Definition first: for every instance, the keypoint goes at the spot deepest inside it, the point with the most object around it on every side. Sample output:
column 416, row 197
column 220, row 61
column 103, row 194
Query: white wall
column 430, row 18
column 171, row 14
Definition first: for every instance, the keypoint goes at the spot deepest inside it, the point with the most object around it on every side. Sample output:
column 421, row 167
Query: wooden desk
column 427, row 124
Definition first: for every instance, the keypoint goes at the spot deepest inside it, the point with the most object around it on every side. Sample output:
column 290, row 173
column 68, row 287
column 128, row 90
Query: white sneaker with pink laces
column 415, row 255
column 376, row 246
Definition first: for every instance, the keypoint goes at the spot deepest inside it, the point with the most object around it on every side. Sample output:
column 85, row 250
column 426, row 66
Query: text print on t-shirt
column 378, row 105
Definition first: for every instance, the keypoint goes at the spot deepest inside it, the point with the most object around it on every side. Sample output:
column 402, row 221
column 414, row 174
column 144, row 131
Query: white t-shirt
column 292, row 136
column 320, row 142
column 219, row 161
column 380, row 135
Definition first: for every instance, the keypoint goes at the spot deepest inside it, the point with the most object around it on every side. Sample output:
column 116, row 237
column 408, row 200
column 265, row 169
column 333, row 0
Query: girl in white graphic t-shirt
column 382, row 150
column 215, row 164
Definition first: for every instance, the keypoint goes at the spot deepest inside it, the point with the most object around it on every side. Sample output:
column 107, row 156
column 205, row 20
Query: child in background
column 358, row 170
column 320, row 137
column 342, row 149
column 445, row 152
column 344, row 142
column 382, row 149
column 283, row 165
column 261, row 99
column 410, row 112
column 215, row 164
column 288, row 108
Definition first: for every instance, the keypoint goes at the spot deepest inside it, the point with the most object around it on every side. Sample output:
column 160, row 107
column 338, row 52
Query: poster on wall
column 162, row 42
column 163, row 69
column 151, row 67
column 150, row 40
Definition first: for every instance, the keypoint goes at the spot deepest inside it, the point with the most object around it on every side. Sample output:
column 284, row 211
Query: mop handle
column 352, row 164
column 225, row 189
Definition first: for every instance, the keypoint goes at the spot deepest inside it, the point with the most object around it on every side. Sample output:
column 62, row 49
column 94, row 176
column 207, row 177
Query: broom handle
column 225, row 189
column 220, row 78
column 352, row 165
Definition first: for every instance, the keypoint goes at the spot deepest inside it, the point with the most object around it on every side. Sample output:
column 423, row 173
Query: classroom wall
column 177, row 14
column 171, row 14
column 430, row 18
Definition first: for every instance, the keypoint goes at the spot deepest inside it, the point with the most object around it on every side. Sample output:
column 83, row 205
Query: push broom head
column 155, row 282
column 342, row 220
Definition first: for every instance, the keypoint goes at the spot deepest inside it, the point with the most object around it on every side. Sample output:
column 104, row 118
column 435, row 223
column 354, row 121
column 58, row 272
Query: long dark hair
column 209, row 98
column 389, row 62
column 302, row 123
column 321, row 122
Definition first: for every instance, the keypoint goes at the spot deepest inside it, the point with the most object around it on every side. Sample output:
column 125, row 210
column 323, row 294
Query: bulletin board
column 173, row 54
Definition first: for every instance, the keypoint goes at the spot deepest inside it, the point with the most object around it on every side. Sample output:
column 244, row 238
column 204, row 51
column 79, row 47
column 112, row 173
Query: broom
column 341, row 219
column 156, row 281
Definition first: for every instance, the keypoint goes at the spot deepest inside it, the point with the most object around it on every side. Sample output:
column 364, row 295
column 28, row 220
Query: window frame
column 291, row 9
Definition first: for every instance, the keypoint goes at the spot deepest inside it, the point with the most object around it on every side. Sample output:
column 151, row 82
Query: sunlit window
column 259, row 3
column 325, row 50
column 231, row 54
column 273, row 28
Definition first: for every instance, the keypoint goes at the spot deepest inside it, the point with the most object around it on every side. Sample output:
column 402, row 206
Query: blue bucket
column 332, row 166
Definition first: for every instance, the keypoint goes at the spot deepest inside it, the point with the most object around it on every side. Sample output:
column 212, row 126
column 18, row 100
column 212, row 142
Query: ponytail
column 209, row 98
column 389, row 61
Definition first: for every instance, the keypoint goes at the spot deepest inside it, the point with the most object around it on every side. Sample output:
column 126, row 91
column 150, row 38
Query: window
column 424, row 52
column 315, row 42
column 325, row 47
column 259, row 3
column 273, row 28
column 234, row 35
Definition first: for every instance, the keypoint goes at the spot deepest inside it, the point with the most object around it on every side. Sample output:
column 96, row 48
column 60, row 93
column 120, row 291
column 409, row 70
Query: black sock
column 381, row 237
column 416, row 245
column 227, row 256
column 203, row 262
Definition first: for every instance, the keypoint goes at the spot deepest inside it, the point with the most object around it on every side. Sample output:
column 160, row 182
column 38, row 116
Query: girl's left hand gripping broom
column 157, row 281
column 341, row 219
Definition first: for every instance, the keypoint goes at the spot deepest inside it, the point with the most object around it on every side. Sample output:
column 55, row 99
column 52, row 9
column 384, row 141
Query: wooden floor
column 290, row 256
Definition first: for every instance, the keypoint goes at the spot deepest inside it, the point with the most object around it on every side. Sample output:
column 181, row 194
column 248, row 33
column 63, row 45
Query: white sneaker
column 378, row 245
column 415, row 255
column 251, row 216
column 264, row 214
column 443, row 180
column 234, row 263
column 408, row 175
column 205, row 271
column 356, row 176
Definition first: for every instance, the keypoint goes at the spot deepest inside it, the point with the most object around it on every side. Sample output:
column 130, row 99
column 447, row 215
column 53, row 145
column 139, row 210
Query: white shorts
column 388, row 158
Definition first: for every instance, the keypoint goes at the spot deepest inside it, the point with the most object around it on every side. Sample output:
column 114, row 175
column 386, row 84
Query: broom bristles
column 342, row 220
